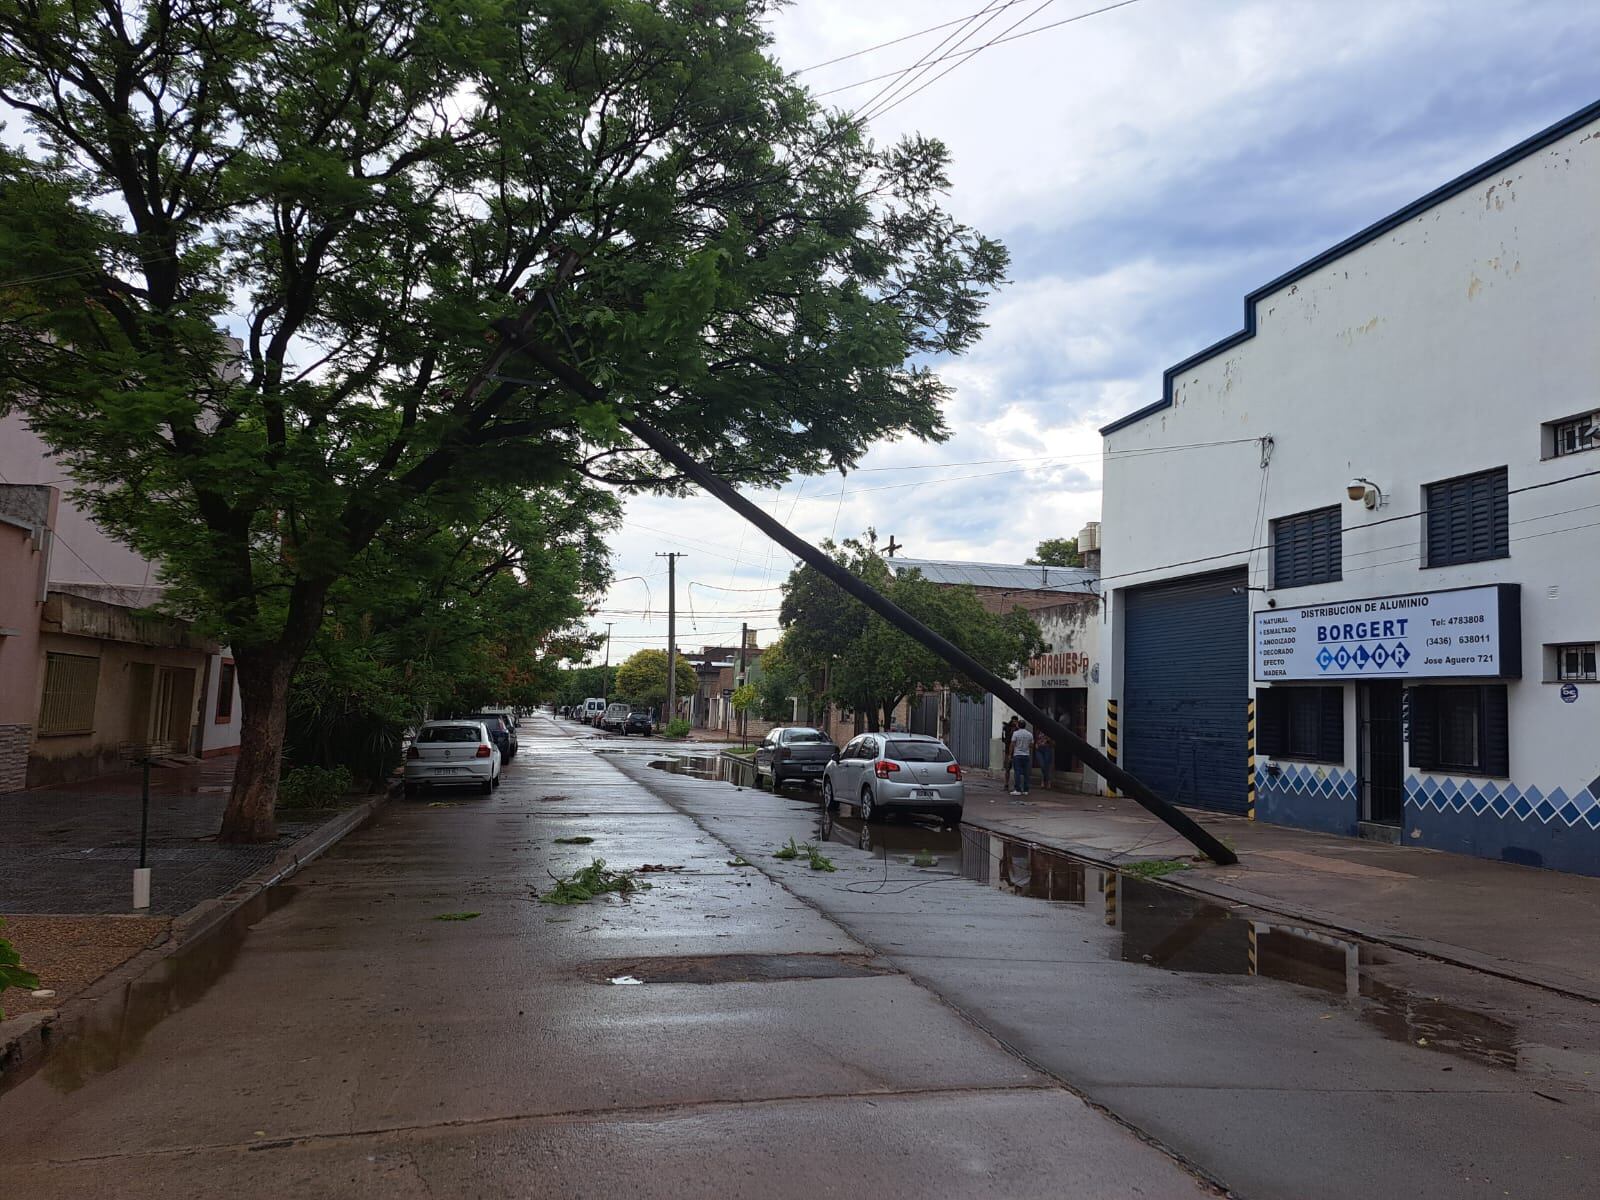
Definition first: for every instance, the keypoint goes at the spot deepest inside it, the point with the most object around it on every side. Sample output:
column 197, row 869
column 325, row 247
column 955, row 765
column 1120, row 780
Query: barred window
column 70, row 683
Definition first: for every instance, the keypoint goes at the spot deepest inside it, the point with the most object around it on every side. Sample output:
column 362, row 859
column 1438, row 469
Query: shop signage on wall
column 1057, row 670
column 1463, row 632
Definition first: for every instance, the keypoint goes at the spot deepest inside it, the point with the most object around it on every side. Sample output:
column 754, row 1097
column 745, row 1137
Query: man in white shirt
column 1021, row 759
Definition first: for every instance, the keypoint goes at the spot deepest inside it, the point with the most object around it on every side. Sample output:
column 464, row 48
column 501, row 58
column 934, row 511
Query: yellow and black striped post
column 1255, row 950
column 1111, row 739
column 1111, row 885
column 1250, row 758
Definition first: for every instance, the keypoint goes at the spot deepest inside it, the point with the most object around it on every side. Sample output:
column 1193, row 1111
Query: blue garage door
column 1186, row 656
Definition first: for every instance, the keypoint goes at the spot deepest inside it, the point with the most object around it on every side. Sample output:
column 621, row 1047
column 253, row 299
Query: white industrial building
column 1370, row 522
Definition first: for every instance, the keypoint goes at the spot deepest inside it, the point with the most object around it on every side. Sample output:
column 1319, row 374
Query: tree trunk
column 264, row 692
column 265, row 673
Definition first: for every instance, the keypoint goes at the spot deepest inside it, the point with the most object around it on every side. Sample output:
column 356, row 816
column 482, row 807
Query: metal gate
column 925, row 714
column 970, row 724
column 1186, row 656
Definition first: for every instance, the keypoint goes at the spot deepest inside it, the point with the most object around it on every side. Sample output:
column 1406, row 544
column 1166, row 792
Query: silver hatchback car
column 895, row 772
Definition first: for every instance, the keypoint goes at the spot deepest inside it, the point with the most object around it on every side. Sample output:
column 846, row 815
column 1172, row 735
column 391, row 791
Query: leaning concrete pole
column 724, row 491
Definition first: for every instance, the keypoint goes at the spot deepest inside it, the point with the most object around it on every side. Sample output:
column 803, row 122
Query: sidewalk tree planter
column 12, row 973
column 743, row 267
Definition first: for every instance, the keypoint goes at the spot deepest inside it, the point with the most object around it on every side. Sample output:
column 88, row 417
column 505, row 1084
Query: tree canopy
column 642, row 679
column 255, row 252
column 869, row 666
column 1056, row 552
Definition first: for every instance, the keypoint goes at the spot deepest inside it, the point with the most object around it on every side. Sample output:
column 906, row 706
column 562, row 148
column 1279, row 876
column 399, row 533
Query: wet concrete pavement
column 342, row 1040
column 1523, row 922
column 1280, row 1059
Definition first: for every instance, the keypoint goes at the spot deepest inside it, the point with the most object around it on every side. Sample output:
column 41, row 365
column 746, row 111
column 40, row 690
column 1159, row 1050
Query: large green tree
column 357, row 193
column 642, row 679
column 479, row 610
column 869, row 665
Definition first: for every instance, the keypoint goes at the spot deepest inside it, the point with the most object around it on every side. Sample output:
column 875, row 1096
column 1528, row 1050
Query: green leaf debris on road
column 457, row 916
column 593, row 880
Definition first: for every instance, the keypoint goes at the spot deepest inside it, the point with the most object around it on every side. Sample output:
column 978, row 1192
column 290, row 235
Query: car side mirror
column 836, row 754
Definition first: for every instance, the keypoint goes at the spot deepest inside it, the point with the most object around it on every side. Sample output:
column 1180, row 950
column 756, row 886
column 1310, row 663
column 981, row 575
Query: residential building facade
column 1350, row 554
column 88, row 668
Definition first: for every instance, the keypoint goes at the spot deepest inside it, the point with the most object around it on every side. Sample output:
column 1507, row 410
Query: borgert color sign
column 1464, row 632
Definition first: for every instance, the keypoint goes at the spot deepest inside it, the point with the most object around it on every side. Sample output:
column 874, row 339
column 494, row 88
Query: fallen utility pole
column 657, row 441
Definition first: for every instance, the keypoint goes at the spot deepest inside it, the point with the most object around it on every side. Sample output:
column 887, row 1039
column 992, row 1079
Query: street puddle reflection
column 1160, row 926
column 710, row 766
column 114, row 1030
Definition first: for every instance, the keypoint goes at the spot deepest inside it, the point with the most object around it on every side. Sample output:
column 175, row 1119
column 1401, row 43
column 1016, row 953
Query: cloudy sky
column 1146, row 167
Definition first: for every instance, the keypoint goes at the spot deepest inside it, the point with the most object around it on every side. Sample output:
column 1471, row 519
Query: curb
column 26, row 1040
column 1204, row 889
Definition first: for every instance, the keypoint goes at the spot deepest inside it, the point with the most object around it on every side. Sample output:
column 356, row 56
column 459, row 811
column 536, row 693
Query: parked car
column 505, row 738
column 615, row 718
column 881, row 773
column 796, row 752
column 639, row 721
column 593, row 708
column 456, row 753
column 563, row 711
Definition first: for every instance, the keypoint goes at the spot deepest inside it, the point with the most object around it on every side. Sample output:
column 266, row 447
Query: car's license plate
column 811, row 766
column 924, row 793
column 447, row 770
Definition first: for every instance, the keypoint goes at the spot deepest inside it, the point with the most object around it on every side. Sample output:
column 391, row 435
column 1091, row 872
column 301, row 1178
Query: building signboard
column 1470, row 632
column 1069, row 669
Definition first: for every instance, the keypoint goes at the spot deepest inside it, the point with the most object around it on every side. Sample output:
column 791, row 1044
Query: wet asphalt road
column 343, row 1041
column 1271, row 1061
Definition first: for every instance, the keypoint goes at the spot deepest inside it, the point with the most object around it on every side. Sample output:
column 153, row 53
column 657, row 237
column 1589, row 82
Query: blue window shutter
column 1306, row 548
column 1468, row 519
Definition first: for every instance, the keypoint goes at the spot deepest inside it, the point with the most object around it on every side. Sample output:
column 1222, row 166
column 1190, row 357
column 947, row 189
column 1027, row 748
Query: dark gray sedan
column 792, row 754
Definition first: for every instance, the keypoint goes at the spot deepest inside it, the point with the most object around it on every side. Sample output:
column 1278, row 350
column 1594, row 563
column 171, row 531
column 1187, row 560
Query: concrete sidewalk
column 72, row 849
column 1522, row 923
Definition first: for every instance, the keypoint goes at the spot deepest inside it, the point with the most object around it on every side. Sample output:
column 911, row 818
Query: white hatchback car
column 452, row 754
column 900, row 772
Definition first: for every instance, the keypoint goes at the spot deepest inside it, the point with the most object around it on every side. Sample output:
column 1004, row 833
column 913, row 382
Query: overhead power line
column 963, row 55
column 896, row 41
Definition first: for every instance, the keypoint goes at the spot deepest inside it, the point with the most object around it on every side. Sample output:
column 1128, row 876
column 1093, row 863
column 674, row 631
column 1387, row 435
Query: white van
column 593, row 708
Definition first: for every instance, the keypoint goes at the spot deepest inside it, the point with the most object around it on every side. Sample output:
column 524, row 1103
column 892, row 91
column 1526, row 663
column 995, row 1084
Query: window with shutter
column 1306, row 548
column 1461, row 729
column 1468, row 519
column 70, row 684
column 1424, row 727
column 1305, row 723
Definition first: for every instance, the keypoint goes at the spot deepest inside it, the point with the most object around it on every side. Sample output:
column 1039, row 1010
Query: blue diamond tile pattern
column 1502, row 800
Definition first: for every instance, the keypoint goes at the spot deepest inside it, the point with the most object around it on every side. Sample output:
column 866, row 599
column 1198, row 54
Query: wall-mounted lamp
column 1365, row 491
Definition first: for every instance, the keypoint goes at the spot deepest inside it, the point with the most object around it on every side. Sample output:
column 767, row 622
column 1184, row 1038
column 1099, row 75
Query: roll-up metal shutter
column 1185, row 679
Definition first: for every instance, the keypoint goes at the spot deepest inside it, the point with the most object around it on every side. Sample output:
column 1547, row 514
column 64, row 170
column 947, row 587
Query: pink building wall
column 82, row 553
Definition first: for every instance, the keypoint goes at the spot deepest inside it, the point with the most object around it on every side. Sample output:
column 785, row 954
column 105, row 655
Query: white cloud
column 1147, row 167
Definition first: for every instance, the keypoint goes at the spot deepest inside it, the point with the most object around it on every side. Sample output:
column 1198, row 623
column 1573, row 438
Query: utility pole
column 605, row 671
column 744, row 636
column 516, row 334
column 672, row 633
column 892, row 546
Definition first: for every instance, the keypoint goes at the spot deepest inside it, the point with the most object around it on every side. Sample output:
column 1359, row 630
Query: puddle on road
column 1163, row 927
column 113, row 1031
column 710, row 766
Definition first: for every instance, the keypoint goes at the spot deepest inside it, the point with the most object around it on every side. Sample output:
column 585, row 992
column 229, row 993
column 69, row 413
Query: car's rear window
column 449, row 733
column 804, row 737
column 918, row 752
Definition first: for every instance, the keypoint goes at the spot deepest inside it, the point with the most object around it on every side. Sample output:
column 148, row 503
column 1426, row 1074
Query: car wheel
column 828, row 800
column 953, row 822
column 411, row 789
column 868, row 808
column 495, row 782
column 488, row 786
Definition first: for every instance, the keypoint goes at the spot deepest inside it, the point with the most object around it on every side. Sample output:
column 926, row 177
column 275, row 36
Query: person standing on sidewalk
column 1044, row 749
column 1021, row 759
